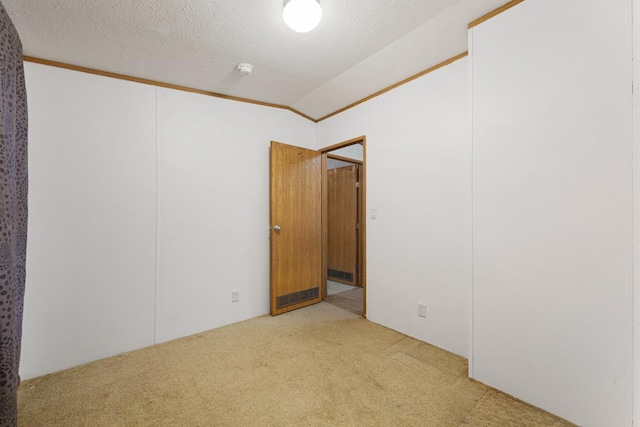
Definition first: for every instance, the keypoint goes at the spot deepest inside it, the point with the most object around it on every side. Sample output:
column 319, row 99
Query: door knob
column 277, row 228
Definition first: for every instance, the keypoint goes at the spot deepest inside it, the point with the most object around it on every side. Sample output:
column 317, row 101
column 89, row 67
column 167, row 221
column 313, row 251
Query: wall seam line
column 634, row 162
column 157, row 212
column 471, row 302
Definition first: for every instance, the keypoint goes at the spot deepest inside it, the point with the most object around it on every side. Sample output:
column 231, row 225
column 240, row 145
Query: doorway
column 299, row 234
column 343, row 204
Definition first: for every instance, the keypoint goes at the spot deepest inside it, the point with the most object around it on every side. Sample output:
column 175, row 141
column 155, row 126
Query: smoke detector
column 244, row 68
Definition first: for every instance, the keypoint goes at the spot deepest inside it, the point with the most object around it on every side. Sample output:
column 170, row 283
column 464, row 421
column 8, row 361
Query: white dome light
column 302, row 15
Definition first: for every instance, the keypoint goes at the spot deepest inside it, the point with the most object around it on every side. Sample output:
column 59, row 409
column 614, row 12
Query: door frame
column 362, row 236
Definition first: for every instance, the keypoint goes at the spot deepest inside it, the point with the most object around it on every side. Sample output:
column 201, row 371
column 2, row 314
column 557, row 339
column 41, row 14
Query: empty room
column 319, row 212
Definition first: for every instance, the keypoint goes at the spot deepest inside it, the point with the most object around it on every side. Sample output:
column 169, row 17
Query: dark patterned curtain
column 13, row 213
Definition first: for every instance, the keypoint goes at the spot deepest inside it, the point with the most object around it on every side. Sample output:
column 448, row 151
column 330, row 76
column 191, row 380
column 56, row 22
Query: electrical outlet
column 422, row 310
column 235, row 296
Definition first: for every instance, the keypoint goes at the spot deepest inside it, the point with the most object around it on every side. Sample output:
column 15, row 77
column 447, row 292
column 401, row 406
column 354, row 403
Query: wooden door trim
column 343, row 144
column 363, row 215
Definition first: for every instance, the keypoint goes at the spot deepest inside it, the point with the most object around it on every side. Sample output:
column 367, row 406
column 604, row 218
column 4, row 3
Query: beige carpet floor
column 318, row 366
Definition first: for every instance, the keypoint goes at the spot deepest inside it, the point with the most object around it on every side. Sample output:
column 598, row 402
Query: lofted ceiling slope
column 360, row 46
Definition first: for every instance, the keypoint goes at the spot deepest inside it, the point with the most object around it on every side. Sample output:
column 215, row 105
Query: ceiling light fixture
column 302, row 15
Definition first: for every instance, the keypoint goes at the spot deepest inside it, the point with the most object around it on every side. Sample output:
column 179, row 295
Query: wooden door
column 342, row 245
column 296, row 227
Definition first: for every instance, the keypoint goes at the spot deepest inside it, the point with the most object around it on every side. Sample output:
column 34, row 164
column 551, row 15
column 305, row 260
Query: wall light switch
column 235, row 296
column 374, row 213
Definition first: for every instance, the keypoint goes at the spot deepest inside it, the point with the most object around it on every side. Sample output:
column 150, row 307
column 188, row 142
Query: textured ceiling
column 360, row 46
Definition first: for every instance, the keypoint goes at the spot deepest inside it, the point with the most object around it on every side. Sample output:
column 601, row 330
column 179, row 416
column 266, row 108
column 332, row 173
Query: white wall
column 335, row 164
column 91, row 241
column 552, row 290
column 552, row 245
column 92, row 286
column 214, row 208
column 419, row 180
column 354, row 151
